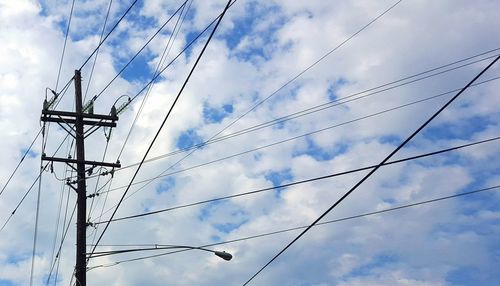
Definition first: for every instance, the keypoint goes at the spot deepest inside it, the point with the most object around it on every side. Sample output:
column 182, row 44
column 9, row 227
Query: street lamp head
column 224, row 255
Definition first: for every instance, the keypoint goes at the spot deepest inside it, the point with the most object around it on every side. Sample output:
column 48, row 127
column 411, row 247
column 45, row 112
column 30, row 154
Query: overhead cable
column 317, row 108
column 107, row 35
column 164, row 121
column 37, row 211
column 30, row 188
column 140, row 50
column 59, row 250
column 103, row 40
column 64, row 46
column 21, row 161
column 97, row 52
column 28, row 150
column 59, row 209
column 372, row 171
column 285, row 84
column 278, row 187
column 164, row 56
column 166, row 52
column 63, row 236
column 330, row 127
column 435, row 200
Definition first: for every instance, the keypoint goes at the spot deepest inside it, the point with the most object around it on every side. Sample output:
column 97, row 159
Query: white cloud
column 258, row 48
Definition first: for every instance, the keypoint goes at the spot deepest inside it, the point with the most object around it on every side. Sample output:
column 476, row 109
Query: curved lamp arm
column 222, row 254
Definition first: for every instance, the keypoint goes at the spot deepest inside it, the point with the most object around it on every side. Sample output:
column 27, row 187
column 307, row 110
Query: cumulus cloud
column 248, row 81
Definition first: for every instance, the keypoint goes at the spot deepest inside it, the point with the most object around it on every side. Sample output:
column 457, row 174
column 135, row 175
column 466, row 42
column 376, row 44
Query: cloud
column 257, row 50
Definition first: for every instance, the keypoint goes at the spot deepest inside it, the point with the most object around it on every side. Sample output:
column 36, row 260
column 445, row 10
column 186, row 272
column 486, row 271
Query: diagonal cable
column 330, row 127
column 282, row 86
column 164, row 121
column 140, row 50
column 278, row 187
column 372, row 171
column 20, row 161
column 97, row 52
column 164, row 55
column 400, row 207
column 64, row 46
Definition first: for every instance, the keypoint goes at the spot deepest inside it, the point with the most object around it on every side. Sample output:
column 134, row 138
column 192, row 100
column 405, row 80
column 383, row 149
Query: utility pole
column 81, row 190
column 76, row 121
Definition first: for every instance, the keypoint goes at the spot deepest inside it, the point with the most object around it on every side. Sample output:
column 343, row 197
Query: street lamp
column 222, row 254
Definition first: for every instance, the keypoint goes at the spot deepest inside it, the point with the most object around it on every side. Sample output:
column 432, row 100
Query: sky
column 285, row 91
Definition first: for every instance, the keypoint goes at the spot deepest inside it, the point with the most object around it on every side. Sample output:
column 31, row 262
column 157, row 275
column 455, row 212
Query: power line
column 63, row 236
column 164, row 120
column 439, row 199
column 276, row 91
column 58, row 255
column 64, row 46
column 97, row 52
column 98, row 179
column 21, row 161
column 164, row 55
column 102, row 210
column 109, row 33
column 22, row 199
column 103, row 40
column 306, row 180
column 37, row 212
column 373, row 170
column 27, row 151
column 63, row 91
column 35, row 236
column 140, row 50
column 340, row 101
column 42, row 168
column 284, row 85
column 334, row 103
column 58, row 217
column 163, row 174
column 29, row 190
column 186, row 47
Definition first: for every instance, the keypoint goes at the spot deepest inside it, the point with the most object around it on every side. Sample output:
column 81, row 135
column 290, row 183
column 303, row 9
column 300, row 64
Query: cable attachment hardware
column 116, row 111
column 90, row 171
column 122, row 107
column 89, row 107
column 112, row 172
column 93, row 195
column 88, row 223
column 47, row 104
column 113, row 111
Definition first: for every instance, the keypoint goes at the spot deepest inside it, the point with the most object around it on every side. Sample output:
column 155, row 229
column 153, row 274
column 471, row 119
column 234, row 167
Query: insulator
column 113, row 111
column 89, row 107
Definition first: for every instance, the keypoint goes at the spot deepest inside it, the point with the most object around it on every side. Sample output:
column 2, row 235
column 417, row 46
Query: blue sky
column 268, row 60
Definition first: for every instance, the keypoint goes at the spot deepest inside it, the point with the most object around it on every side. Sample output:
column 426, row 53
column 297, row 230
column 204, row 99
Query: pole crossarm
column 73, row 121
column 75, row 161
column 71, row 118
column 84, row 115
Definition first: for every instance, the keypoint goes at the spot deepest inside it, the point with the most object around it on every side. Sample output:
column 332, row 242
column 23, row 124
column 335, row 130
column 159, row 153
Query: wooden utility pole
column 81, row 212
column 76, row 122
